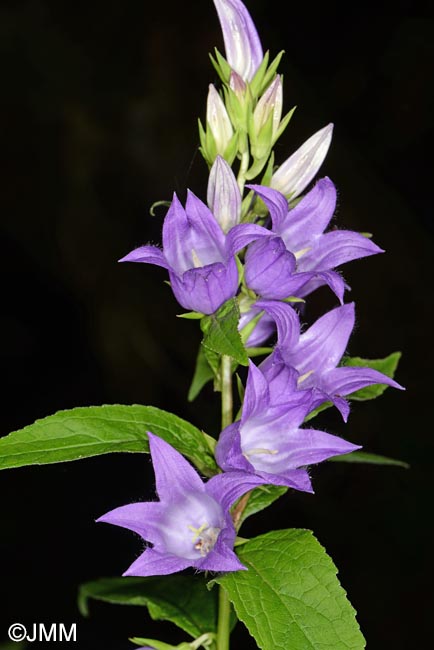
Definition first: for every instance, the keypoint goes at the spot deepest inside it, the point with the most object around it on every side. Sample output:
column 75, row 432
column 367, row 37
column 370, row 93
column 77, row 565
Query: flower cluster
column 269, row 247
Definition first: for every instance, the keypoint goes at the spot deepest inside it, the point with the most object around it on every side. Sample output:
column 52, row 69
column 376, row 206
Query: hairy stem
column 223, row 629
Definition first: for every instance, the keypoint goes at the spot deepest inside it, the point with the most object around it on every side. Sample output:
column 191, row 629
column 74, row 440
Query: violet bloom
column 268, row 441
column 301, row 257
column 315, row 355
column 191, row 525
column 198, row 255
column 242, row 45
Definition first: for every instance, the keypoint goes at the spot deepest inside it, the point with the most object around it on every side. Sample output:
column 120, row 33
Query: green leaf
column 387, row 366
column 290, row 596
column 319, row 409
column 183, row 600
column 261, row 498
column 94, row 430
column 203, row 373
column 371, row 459
column 221, row 333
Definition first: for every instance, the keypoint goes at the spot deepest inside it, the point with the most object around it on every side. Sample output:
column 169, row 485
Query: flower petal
column 205, row 289
column 309, row 218
column 346, row 380
column 141, row 518
column 229, row 456
column 336, row 248
column 152, row 563
column 321, row 347
column 173, row 474
column 243, row 234
column 309, row 446
column 231, row 485
column 298, row 170
column 287, row 322
column 269, row 269
column 220, row 558
column 148, row 255
column 276, row 203
column 257, row 396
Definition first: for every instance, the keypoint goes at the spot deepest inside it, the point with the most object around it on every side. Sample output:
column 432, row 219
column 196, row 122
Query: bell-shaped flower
column 315, row 355
column 198, row 255
column 295, row 174
column 242, row 45
column 223, row 196
column 301, row 247
column 218, row 121
column 269, row 442
column 190, row 526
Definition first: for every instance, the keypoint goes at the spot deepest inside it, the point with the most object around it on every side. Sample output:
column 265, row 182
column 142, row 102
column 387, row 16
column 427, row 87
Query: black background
column 100, row 102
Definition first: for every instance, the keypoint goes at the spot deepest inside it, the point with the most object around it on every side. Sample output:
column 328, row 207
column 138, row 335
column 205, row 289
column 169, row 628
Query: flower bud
column 224, row 199
column 218, row 121
column 298, row 170
column 242, row 45
column 270, row 104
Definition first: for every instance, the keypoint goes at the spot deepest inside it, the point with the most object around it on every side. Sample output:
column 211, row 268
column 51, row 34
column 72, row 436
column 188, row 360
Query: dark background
column 100, row 102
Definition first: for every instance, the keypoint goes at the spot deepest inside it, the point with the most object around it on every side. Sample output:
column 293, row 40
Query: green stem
column 243, row 168
column 223, row 628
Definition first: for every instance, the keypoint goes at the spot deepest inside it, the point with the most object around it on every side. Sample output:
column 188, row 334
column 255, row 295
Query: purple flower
column 315, row 355
column 268, row 441
column 191, row 525
column 242, row 45
column 295, row 174
column 198, row 255
column 301, row 257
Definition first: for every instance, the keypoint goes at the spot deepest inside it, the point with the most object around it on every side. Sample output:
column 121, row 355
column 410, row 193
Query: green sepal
column 203, row 373
column 221, row 66
column 258, row 352
column 255, row 170
column 261, row 142
column 240, row 388
column 191, row 315
column 257, row 82
column 221, row 333
column 94, row 430
column 159, row 645
column 293, row 299
column 319, row 409
column 290, row 597
column 387, row 366
column 266, row 179
column 283, row 124
column 271, row 72
column 182, row 600
column 369, row 459
column 156, row 204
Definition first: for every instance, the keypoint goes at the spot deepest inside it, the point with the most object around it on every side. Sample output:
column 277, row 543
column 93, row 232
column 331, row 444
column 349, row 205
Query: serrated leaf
column 203, row 373
column 261, row 498
column 221, row 333
column 387, row 366
column 183, row 600
column 290, row 596
column 370, row 459
column 94, row 430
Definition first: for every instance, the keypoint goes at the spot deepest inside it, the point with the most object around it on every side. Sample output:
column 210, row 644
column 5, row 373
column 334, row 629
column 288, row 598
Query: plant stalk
column 223, row 628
